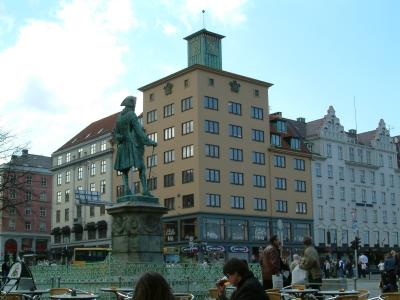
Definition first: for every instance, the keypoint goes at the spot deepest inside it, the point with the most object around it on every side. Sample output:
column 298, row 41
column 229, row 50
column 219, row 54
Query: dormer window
column 276, row 140
column 281, row 126
column 295, row 143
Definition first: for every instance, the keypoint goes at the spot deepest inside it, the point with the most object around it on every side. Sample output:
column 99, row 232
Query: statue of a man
column 131, row 140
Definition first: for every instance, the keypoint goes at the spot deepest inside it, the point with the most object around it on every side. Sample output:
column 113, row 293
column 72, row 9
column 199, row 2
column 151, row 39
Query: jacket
column 270, row 262
column 310, row 262
column 249, row 288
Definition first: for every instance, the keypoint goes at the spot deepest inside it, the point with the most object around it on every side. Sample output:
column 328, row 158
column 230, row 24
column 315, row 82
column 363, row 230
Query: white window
column 237, row 202
column 372, row 177
column 331, row 192
column 68, row 157
column 59, row 179
column 93, row 149
column 393, row 198
column 92, row 169
column 260, row 204
column 320, row 212
column 102, row 186
column 330, row 171
column 301, row 208
column 67, row 176
column 59, row 160
column 103, row 166
column 169, row 156
column 332, row 213
column 318, row 169
column 80, row 173
column 329, row 150
column 368, row 157
column 362, row 176
column 92, row 187
column 187, row 151
column 341, row 173
column 319, row 190
column 103, row 145
column 59, row 197
column 169, row 133
column 373, row 196
column 342, row 193
column 340, row 152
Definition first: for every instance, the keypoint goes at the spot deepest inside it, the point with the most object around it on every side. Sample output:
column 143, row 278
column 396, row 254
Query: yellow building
column 211, row 165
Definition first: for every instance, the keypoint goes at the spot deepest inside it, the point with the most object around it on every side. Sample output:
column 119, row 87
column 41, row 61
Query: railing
column 192, row 278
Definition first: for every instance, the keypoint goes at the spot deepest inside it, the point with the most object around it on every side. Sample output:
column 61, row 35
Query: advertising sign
column 239, row 249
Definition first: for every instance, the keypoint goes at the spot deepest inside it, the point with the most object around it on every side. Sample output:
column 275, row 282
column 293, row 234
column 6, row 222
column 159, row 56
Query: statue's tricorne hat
column 129, row 101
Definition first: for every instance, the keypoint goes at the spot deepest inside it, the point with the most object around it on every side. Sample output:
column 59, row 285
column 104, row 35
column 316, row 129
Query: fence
column 192, row 278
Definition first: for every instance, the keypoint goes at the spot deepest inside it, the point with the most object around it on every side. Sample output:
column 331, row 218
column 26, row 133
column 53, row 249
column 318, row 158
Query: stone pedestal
column 137, row 234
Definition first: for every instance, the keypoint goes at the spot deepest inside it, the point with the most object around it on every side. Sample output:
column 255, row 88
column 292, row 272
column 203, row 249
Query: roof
column 206, row 32
column 207, row 69
column 313, row 127
column 366, row 137
column 31, row 160
column 93, row 131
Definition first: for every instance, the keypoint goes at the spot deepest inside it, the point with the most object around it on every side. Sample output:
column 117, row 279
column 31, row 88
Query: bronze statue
column 131, row 139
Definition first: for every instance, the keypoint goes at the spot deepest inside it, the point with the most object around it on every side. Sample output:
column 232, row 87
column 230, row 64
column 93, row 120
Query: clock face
column 212, row 46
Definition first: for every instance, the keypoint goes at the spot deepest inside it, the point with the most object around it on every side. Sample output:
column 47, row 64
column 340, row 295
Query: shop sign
column 189, row 249
column 170, row 233
column 239, row 249
column 215, row 248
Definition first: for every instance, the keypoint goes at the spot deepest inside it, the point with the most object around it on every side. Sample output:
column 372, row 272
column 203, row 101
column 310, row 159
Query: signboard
column 171, row 232
column 239, row 249
column 189, row 249
column 215, row 248
column 89, row 198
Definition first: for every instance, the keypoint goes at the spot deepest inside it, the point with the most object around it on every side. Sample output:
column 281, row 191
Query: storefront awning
column 55, row 231
column 90, row 226
column 77, row 228
column 66, row 230
column 102, row 225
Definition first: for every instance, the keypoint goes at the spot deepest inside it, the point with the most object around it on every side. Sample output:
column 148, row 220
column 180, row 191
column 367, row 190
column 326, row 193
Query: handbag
column 277, row 281
column 299, row 276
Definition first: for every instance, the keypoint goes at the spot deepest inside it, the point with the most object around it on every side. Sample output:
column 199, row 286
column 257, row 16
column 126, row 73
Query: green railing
column 192, row 278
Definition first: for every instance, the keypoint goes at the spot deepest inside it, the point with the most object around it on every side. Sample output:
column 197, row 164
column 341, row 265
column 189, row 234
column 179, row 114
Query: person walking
column 271, row 262
column 247, row 286
column 310, row 263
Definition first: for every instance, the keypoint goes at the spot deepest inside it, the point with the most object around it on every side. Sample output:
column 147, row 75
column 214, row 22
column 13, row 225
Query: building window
column 66, row 215
column 318, row 169
column 102, row 186
column 151, row 116
column 236, row 178
column 169, row 133
column 68, row 157
column 28, row 211
column 58, row 197
column 92, row 169
column 279, row 161
column 295, row 143
column 28, row 179
column 281, row 126
column 186, row 104
column 213, row 200
column 393, row 199
column 92, row 187
column 299, row 164
column 80, row 152
column 352, row 175
column 234, row 108
column 169, row 203
column 260, row 204
column 59, row 179
column 258, row 158
column 257, row 113
column 259, row 181
column 342, row 193
column 280, row 183
column 257, row 135
column 43, row 182
column 372, row 177
column 212, row 175
column 237, row 202
column 332, row 213
column 340, row 152
column 351, row 154
column 103, row 166
column 381, row 164
column 169, row 110
column 66, row 195
column 68, row 177
column 187, row 176
column 319, row 190
column 169, row 156
column 390, row 161
column 43, row 197
column 301, row 208
column 80, row 173
column 211, row 81
column 331, row 192
column 169, row 180
column 103, row 145
column 281, row 206
column 276, row 140
column 152, row 136
column 391, row 180
column 235, row 154
column 362, row 176
column 341, row 173
column 187, row 127
column 151, row 97
column 187, row 151
column 188, row 201
column 28, row 226
column 360, row 155
column 382, row 178
column 152, row 161
column 329, row 150
column 58, row 216
column 59, row 160
column 93, row 149
column 211, row 126
column 152, row 183
column 383, row 197
column 256, row 93
column 300, row 186
column 186, row 83
column 330, row 171
column 210, row 103
column 211, row 150
column 235, row 131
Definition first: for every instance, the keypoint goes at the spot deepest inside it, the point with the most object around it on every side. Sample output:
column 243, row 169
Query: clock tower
column 204, row 48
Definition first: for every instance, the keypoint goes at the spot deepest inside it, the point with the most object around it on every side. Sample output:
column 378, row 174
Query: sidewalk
column 365, row 283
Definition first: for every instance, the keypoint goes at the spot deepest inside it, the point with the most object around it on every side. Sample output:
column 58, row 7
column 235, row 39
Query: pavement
column 370, row 283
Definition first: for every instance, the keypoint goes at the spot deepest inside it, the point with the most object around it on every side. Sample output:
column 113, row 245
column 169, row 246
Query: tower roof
column 219, row 36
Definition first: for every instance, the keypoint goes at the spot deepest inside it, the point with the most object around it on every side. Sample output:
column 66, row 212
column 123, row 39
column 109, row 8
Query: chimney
column 25, row 152
column 278, row 114
column 301, row 120
column 352, row 131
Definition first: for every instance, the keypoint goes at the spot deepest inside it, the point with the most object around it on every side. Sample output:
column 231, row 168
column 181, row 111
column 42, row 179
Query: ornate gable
column 331, row 127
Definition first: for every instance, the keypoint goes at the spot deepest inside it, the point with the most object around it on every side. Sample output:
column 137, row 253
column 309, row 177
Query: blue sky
column 65, row 64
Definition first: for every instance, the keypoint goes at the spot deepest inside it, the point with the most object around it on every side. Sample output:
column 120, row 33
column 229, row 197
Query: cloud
column 169, row 29
column 68, row 66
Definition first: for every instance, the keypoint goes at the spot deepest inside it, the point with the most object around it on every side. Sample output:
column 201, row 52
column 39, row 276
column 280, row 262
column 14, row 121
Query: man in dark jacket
column 247, row 286
column 271, row 262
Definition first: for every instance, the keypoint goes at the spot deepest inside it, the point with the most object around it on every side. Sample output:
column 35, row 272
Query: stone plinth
column 136, row 229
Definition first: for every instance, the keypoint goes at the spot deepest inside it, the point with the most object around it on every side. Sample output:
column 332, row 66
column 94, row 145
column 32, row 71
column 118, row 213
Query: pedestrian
column 152, row 286
column 341, row 268
column 389, row 282
column 247, row 286
column 295, row 262
column 310, row 263
column 327, row 268
column 271, row 262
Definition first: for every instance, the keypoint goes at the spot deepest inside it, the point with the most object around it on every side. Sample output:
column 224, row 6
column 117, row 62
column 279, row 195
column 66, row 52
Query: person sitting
column 247, row 286
column 152, row 286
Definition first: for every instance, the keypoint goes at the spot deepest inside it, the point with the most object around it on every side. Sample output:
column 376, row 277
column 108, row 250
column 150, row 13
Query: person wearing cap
column 131, row 139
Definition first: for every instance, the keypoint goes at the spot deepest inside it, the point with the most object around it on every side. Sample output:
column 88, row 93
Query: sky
column 66, row 64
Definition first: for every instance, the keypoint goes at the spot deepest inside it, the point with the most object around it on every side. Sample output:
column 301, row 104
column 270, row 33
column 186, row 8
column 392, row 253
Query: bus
column 90, row 255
